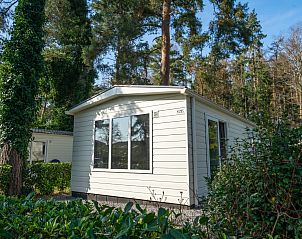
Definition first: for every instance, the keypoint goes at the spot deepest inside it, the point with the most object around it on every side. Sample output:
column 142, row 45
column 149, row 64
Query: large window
column 216, row 144
column 123, row 143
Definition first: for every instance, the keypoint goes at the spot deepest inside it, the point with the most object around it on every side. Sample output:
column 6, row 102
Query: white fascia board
column 118, row 91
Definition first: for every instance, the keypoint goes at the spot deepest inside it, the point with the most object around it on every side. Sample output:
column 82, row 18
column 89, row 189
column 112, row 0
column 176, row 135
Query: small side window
column 217, row 144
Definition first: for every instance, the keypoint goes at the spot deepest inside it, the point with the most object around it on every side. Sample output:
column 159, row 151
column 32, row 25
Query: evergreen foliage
column 122, row 40
column 234, row 29
column 119, row 27
column 46, row 178
column 5, row 172
column 69, row 74
column 20, row 70
column 19, row 75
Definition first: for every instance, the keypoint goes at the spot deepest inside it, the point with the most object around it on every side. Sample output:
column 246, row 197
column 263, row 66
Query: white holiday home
column 150, row 143
column 50, row 146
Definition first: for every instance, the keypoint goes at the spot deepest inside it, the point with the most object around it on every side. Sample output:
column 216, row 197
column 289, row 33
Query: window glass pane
column 213, row 145
column 140, row 147
column 101, row 144
column 119, row 149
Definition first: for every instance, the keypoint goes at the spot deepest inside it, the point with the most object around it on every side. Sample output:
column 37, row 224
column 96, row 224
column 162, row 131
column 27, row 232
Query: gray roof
column 50, row 131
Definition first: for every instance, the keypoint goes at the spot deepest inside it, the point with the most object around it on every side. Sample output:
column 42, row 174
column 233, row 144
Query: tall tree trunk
column 10, row 156
column 117, row 78
column 165, row 48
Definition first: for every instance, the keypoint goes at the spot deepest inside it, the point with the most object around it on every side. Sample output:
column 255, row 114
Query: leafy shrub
column 258, row 192
column 30, row 218
column 43, row 178
column 46, row 177
column 4, row 177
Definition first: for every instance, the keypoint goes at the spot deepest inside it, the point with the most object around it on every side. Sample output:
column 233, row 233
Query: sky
column 276, row 16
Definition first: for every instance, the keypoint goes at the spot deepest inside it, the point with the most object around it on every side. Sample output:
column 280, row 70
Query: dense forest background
column 91, row 45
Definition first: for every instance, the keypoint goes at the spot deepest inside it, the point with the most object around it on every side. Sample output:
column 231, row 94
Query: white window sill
column 129, row 171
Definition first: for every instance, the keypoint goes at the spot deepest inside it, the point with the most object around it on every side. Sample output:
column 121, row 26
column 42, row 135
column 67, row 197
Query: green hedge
column 30, row 218
column 43, row 178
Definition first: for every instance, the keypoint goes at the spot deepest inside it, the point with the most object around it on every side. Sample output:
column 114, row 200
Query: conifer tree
column 69, row 73
column 165, row 45
column 118, row 28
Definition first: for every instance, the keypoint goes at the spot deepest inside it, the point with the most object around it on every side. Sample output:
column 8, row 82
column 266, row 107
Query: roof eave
column 116, row 92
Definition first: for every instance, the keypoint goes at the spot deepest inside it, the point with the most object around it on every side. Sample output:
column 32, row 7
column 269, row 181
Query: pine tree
column 182, row 40
column 118, row 27
column 165, row 43
column 69, row 73
column 236, row 37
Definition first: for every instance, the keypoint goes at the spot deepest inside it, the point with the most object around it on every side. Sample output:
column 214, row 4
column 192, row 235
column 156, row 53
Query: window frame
column 128, row 170
column 217, row 120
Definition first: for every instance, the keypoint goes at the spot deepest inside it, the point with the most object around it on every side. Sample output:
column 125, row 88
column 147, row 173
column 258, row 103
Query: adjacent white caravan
column 50, row 146
column 150, row 143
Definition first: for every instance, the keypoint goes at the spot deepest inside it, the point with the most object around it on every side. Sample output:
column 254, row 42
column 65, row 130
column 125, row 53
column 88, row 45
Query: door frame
column 45, row 156
column 217, row 120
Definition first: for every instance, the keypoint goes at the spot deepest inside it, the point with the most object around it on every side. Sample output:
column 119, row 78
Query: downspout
column 194, row 146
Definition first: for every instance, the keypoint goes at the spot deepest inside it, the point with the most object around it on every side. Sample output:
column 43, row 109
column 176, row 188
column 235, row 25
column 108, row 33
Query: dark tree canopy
column 69, row 74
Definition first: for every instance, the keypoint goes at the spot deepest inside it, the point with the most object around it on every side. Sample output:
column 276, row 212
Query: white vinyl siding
column 235, row 129
column 58, row 146
column 169, row 155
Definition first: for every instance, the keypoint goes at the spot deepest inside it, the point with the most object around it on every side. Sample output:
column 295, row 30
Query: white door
column 38, row 151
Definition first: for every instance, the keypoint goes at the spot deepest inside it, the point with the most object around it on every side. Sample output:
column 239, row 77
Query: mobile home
column 150, row 143
column 50, row 146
